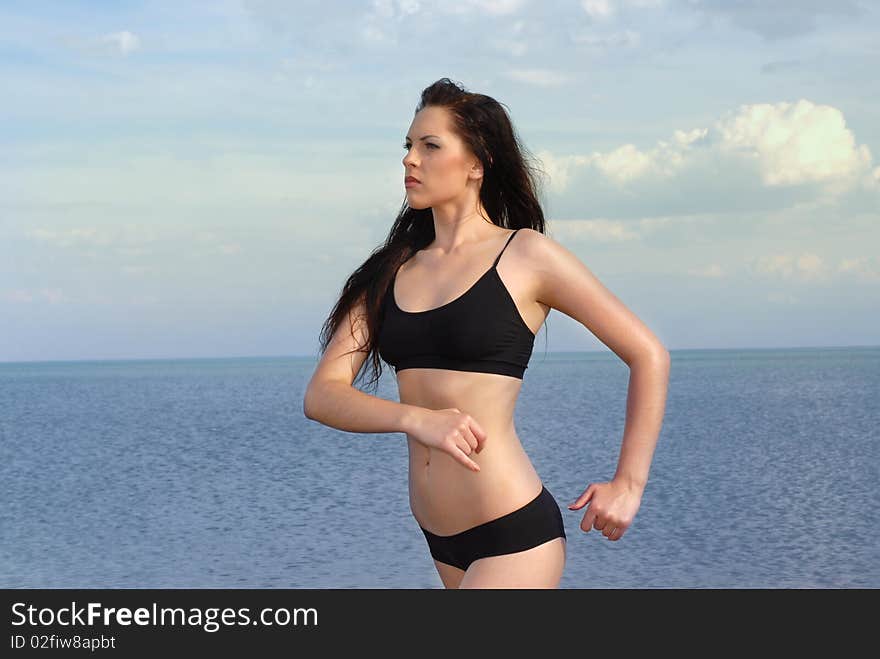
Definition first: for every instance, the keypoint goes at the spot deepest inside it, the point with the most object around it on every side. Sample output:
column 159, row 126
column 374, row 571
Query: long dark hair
column 509, row 193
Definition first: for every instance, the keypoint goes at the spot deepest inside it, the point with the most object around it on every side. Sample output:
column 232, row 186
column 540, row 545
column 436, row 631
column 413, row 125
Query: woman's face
column 438, row 159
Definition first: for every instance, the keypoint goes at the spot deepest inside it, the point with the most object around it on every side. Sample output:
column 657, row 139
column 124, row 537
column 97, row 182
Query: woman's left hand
column 613, row 505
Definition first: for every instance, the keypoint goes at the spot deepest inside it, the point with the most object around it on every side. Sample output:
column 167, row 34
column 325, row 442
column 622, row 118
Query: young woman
column 453, row 301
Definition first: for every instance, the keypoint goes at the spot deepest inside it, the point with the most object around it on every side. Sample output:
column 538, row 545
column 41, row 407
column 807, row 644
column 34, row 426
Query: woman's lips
column 411, row 182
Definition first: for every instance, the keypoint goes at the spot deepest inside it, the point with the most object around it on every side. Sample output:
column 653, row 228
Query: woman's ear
column 477, row 170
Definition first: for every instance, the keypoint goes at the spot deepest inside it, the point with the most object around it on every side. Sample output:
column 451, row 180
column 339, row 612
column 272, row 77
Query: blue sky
column 198, row 179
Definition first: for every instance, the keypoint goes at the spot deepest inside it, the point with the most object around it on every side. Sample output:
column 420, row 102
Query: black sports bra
column 481, row 330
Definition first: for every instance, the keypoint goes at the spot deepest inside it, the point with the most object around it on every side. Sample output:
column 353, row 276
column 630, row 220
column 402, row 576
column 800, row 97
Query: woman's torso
column 445, row 496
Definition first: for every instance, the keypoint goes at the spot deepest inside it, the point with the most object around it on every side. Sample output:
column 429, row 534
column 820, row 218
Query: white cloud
column 781, row 298
column 794, row 142
column 129, row 241
column 378, row 27
column 512, row 43
column 538, row 77
column 621, row 39
column 597, row 8
column 604, row 9
column 113, row 175
column 19, row 295
column 653, row 223
column 805, row 267
column 781, row 144
column 867, row 268
column 375, row 35
column 599, row 230
column 69, row 237
column 143, row 300
column 781, row 18
column 778, row 264
column 138, row 270
column 24, row 296
column 627, row 162
column 380, row 24
column 52, row 295
column 612, row 231
column 810, row 264
column 462, row 7
column 124, row 41
column 128, row 235
column 383, row 9
column 111, row 44
column 712, row 271
column 408, row 6
column 493, row 7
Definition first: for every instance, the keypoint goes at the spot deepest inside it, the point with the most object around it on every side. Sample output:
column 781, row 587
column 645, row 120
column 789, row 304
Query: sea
column 205, row 473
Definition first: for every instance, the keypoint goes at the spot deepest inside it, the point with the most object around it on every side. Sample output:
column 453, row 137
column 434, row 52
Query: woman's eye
column 406, row 146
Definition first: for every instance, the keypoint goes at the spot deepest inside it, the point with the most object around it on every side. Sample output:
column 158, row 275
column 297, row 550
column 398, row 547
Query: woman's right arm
column 330, row 397
column 338, row 404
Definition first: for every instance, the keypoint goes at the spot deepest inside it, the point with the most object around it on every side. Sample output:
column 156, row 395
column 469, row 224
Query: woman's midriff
column 446, row 496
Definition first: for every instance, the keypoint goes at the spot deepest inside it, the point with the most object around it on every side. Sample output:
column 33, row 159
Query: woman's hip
column 534, row 523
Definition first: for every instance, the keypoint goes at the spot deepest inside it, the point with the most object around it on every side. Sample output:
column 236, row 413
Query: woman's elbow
column 652, row 355
column 309, row 402
column 662, row 357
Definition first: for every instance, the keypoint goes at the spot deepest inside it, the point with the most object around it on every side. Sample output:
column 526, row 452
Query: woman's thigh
column 538, row 567
column 449, row 574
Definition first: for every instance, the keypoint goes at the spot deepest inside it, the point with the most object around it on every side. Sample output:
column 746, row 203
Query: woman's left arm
column 563, row 282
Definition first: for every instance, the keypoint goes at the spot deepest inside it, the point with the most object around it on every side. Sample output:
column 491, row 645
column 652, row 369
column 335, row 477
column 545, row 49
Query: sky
column 198, row 179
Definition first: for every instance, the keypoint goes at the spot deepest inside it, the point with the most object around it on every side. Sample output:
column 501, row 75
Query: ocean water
column 204, row 473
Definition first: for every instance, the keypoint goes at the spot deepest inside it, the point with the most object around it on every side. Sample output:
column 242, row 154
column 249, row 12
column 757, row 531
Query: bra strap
column 498, row 258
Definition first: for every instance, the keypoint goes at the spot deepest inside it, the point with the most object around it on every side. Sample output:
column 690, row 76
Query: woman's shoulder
column 538, row 253
column 533, row 244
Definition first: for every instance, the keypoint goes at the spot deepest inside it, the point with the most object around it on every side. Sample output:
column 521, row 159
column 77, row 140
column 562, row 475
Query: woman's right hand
column 452, row 431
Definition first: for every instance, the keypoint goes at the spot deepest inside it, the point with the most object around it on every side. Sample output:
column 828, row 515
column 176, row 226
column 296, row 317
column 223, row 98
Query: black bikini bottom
column 535, row 523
